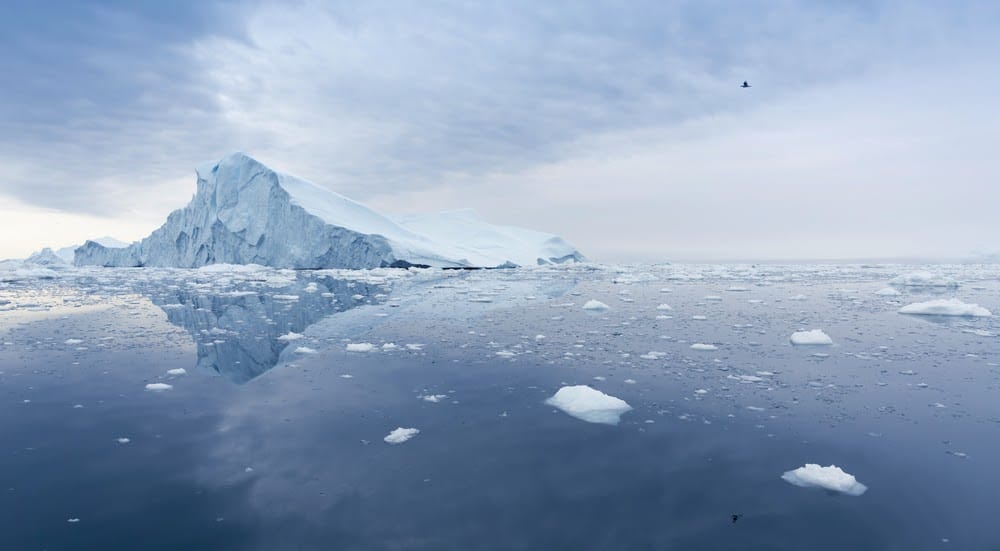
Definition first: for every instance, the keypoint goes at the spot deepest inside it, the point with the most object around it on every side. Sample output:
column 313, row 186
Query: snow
column 360, row 347
column 157, row 387
column 830, row 478
column 945, row 307
column 702, row 346
column 813, row 337
column 400, row 435
column 588, row 404
column 922, row 279
column 243, row 212
column 595, row 305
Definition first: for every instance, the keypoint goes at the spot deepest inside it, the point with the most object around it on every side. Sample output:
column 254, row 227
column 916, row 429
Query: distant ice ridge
column 48, row 257
column 588, row 404
column 922, row 279
column 945, row 307
column 831, row 478
column 245, row 213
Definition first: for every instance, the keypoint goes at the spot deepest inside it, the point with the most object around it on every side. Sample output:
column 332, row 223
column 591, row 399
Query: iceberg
column 831, row 478
column 589, row 404
column 945, row 307
column 246, row 213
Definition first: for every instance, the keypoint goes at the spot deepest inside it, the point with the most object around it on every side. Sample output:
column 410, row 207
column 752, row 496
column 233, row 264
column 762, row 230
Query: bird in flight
column 745, row 84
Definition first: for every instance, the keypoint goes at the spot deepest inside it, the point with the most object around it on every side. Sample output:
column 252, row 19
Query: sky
column 870, row 129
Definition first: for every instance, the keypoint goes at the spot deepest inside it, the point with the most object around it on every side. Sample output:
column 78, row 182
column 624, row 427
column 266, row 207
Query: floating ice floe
column 588, row 404
column 815, row 336
column 922, row 279
column 360, row 347
column 177, row 371
column 291, row 336
column 124, row 440
column 157, row 387
column 887, row 292
column 595, row 306
column 433, row 398
column 664, row 307
column 945, row 307
column 703, row 346
column 305, row 350
column 831, row 478
column 401, row 435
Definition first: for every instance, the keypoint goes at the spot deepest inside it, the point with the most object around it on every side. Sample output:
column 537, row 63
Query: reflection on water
column 241, row 333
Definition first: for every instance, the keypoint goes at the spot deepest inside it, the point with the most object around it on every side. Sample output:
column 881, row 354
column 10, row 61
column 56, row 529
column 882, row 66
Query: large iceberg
column 245, row 213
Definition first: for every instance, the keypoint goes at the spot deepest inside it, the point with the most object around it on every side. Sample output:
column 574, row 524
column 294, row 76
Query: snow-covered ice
column 177, row 371
column 589, row 404
column 703, row 346
column 812, row 337
column 945, row 307
column 157, row 387
column 595, row 305
column 400, row 435
column 360, row 347
column 831, row 478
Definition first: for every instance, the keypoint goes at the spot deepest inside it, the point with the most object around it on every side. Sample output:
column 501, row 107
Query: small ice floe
column 401, row 435
column 755, row 408
column 830, row 478
column 305, row 350
column 588, row 404
column 358, row 297
column 415, row 347
column 360, row 347
column 922, row 279
column 158, row 387
column 701, row 392
column 73, row 520
column 666, row 290
column 72, row 341
column 595, row 306
column 629, row 381
column 887, row 292
column 699, row 318
column 506, row 354
column 812, row 337
column 347, row 376
column 291, row 336
column 737, row 289
column 386, row 347
column 945, row 307
column 433, row 398
column 286, row 298
column 539, row 337
column 124, row 440
column 713, row 298
column 703, row 346
column 177, row 371
column 798, row 297
column 664, row 307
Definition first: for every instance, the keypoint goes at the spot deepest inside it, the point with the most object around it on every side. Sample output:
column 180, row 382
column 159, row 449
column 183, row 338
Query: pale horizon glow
column 868, row 133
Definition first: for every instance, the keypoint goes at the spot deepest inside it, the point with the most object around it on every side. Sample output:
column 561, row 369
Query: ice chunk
column 401, row 435
column 595, row 306
column 664, row 307
column 703, row 346
column 177, row 371
column 588, row 404
column 945, row 307
column 360, row 347
column 433, row 398
column 815, row 336
column 305, row 350
column 157, row 387
column 887, row 292
column 831, row 478
column 290, row 336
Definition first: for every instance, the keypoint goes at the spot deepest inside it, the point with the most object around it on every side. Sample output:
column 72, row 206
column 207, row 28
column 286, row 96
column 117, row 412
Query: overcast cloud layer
column 870, row 130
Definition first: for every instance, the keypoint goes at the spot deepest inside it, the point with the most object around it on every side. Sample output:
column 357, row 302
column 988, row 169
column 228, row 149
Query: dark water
column 241, row 454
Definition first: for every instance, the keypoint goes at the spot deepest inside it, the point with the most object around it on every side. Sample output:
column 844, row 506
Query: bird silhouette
column 745, row 84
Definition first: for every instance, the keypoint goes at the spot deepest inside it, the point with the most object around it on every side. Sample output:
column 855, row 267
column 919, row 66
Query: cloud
column 588, row 108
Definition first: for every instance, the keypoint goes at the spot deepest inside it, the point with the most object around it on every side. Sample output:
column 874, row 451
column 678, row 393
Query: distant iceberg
column 922, row 279
column 945, row 307
column 245, row 213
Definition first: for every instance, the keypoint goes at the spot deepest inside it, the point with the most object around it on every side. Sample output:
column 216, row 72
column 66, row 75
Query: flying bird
column 745, row 84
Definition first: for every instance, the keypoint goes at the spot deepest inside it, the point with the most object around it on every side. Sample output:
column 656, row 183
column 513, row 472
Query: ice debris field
column 644, row 385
